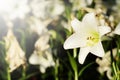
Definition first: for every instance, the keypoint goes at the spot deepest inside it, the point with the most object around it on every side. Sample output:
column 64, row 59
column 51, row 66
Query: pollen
column 92, row 39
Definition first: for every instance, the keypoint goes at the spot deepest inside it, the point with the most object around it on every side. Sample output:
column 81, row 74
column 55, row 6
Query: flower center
column 92, row 39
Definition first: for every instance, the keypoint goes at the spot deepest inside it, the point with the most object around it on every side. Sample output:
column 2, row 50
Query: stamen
column 91, row 40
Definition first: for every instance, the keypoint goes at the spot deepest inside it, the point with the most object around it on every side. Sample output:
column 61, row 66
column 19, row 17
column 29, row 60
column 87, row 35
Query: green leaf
column 82, row 70
column 68, row 12
column 28, row 76
column 72, row 62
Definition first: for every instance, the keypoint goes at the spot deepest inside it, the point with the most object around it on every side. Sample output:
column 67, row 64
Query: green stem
column 114, row 69
column 24, row 73
column 75, row 70
column 75, row 53
column 56, row 69
column 76, row 75
column 8, row 74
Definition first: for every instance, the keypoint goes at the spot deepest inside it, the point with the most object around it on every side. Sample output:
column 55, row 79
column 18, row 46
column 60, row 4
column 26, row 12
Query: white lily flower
column 105, row 63
column 87, row 36
column 15, row 56
column 42, row 55
column 117, row 29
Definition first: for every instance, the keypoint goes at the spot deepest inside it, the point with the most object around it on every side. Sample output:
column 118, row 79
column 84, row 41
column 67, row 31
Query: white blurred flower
column 105, row 63
column 45, row 9
column 116, row 9
column 87, row 36
column 38, row 26
column 66, row 25
column 117, row 29
column 42, row 55
column 15, row 56
column 13, row 8
column 77, row 4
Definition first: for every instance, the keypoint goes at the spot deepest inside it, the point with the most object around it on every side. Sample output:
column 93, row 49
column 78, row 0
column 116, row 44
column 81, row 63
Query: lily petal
column 98, row 50
column 42, row 69
column 34, row 59
column 90, row 21
column 117, row 29
column 83, row 54
column 75, row 41
column 104, row 29
column 76, row 25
